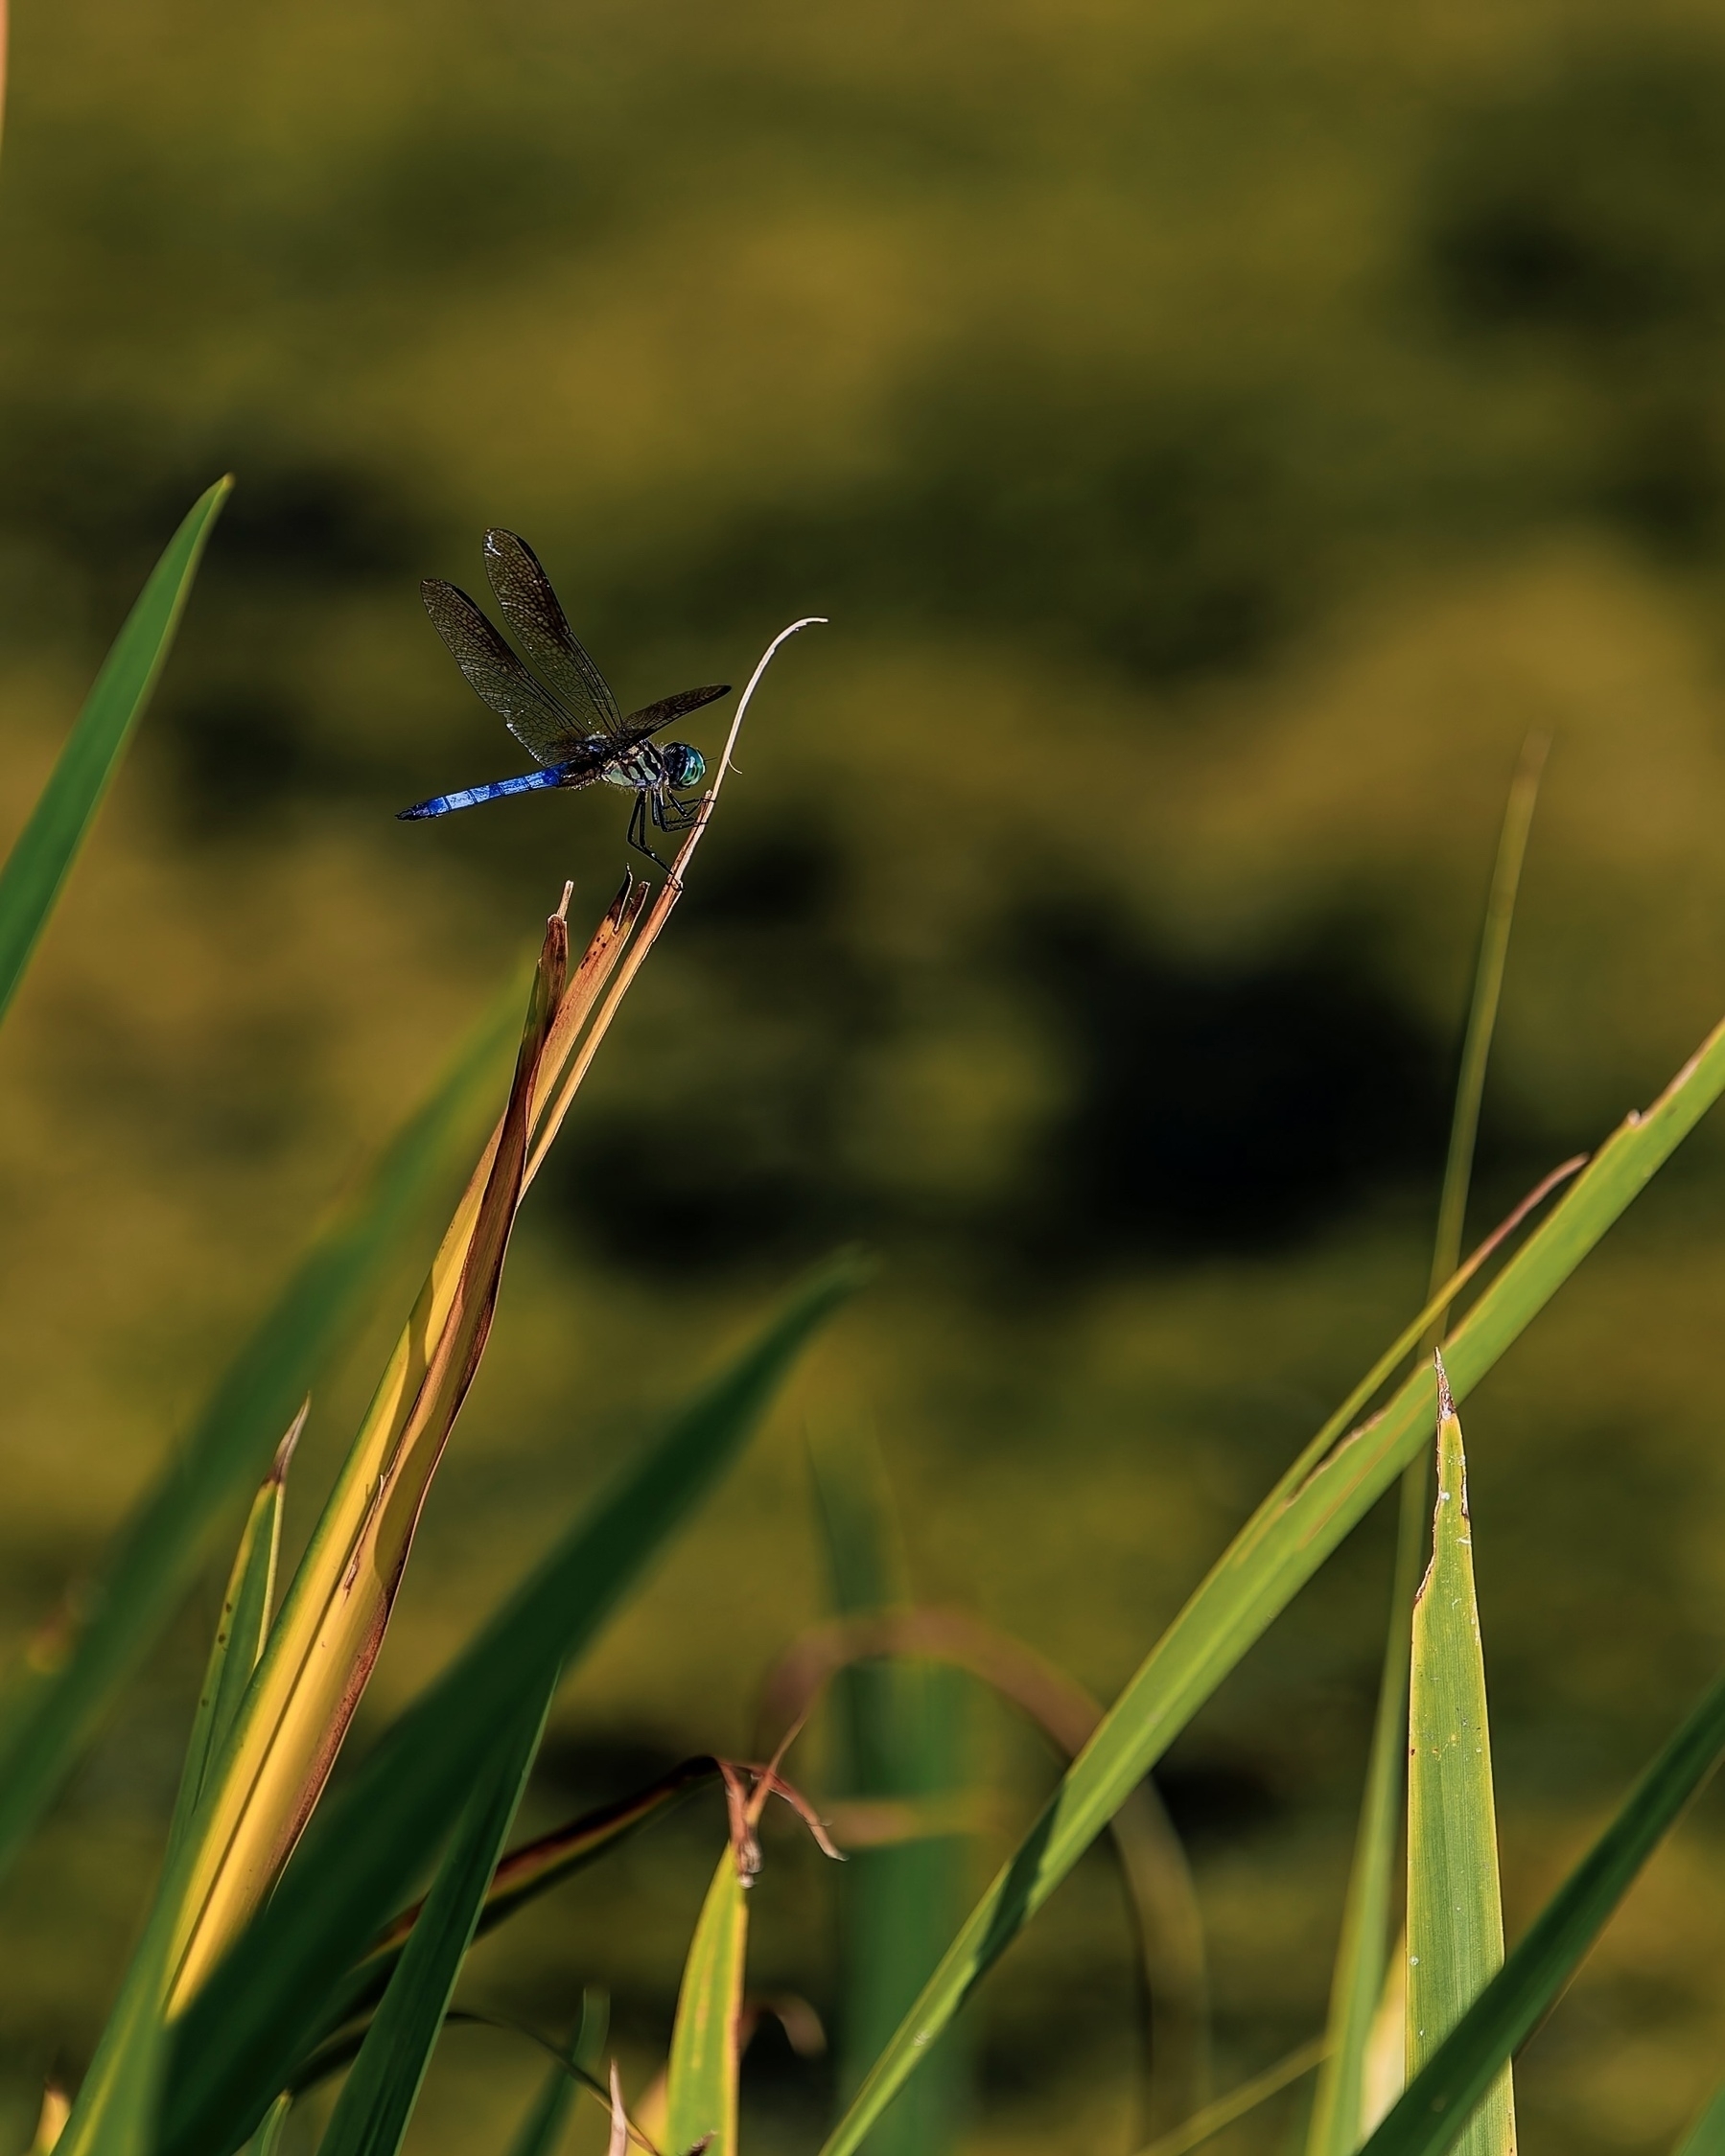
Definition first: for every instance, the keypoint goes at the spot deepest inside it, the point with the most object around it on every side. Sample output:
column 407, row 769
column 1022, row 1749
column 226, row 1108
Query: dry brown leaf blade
column 319, row 1686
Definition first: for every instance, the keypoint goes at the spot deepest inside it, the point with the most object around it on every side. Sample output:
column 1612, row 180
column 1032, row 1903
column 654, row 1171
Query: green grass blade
column 701, row 2085
column 244, row 2034
column 161, row 1547
column 1339, row 2108
column 1226, row 2111
column 1436, row 2106
column 541, row 2129
column 1706, row 2137
column 38, row 866
column 378, row 2097
column 1455, row 1902
column 1275, row 1553
column 240, row 1635
column 901, row 1728
column 1338, row 2117
column 1483, row 1011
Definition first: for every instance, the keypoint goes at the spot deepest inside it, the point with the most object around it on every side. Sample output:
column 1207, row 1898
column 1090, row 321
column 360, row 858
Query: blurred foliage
column 1217, row 436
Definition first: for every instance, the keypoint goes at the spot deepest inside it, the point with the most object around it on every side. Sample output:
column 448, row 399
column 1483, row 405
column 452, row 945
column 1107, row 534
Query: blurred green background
column 1219, row 435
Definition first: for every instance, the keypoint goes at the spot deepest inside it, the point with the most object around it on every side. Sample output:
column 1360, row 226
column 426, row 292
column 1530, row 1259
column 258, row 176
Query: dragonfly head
column 683, row 766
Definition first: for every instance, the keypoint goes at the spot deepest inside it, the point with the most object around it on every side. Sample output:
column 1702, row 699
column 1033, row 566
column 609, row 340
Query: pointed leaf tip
column 289, row 1444
column 41, row 859
column 618, row 2144
column 1446, row 1405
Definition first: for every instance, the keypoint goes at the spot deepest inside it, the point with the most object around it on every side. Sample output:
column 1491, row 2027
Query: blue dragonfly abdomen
column 470, row 797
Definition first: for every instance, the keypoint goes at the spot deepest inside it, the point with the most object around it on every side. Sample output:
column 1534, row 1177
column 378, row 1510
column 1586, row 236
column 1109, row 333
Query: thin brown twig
column 745, row 1844
column 773, row 1784
column 743, row 1807
column 770, row 1772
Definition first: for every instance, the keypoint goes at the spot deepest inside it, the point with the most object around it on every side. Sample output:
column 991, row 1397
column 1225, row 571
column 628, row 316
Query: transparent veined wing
column 540, row 725
column 653, row 718
column 533, row 611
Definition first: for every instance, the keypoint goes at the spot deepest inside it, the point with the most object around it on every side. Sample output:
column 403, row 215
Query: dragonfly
column 572, row 730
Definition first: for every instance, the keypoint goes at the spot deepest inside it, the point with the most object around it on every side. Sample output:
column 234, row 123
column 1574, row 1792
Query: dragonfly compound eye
column 683, row 766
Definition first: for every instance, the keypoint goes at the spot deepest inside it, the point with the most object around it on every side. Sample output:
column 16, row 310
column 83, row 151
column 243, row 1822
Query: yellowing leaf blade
column 324, row 1646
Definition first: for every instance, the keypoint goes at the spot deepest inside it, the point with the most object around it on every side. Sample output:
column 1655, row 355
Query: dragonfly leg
column 637, row 832
column 673, row 815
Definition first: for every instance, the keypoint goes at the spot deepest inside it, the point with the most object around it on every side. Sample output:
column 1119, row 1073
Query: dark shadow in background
column 1156, row 530
column 1584, row 223
column 1208, row 1110
column 1226, row 1110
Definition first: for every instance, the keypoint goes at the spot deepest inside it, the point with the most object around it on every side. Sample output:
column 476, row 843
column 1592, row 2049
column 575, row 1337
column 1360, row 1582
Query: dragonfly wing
column 533, row 611
column 586, row 762
column 541, row 726
column 653, row 718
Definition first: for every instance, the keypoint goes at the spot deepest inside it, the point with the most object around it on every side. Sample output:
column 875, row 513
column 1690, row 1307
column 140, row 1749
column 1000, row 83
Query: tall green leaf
column 1280, row 1547
column 378, row 2097
column 38, row 864
column 161, row 1546
column 1455, row 1904
column 1342, row 2103
column 901, row 1731
column 702, row 2081
column 1439, row 2102
column 244, row 2033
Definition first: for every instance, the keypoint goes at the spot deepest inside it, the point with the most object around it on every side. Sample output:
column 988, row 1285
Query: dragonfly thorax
column 640, row 768
column 648, row 768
